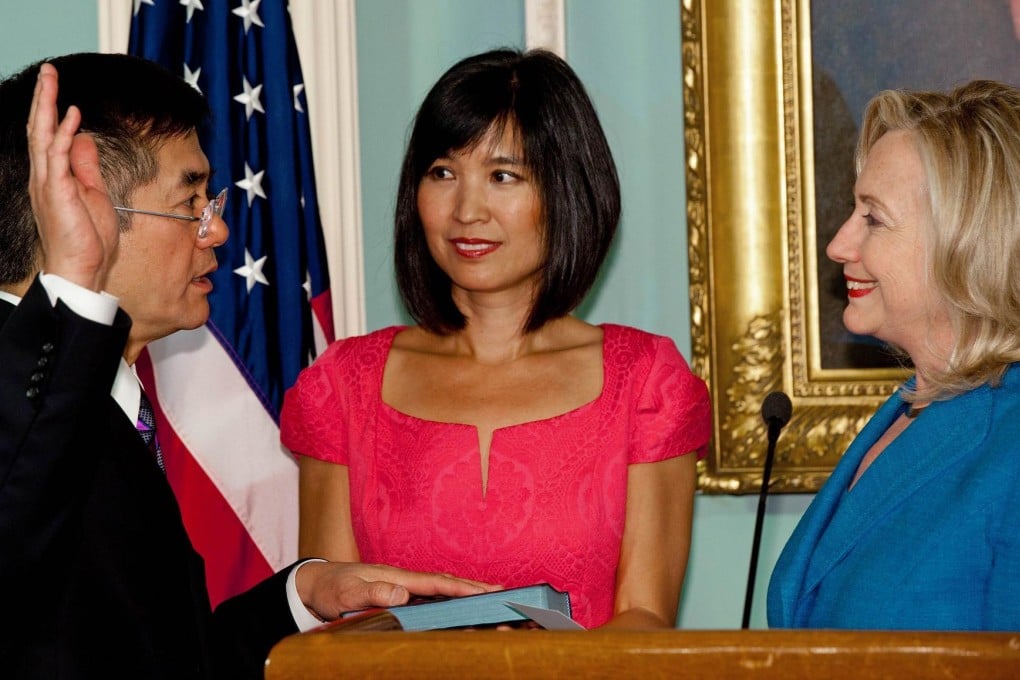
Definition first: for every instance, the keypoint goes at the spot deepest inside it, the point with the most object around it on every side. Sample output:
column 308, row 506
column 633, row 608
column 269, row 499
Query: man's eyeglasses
column 212, row 208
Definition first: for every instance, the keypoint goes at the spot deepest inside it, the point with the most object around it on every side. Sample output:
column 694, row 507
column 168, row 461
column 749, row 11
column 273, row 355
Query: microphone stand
column 774, row 426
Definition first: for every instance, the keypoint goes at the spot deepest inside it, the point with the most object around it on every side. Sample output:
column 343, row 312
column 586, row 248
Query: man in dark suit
column 97, row 575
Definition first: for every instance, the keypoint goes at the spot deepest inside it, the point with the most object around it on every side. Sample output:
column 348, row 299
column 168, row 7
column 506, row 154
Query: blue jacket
column 928, row 538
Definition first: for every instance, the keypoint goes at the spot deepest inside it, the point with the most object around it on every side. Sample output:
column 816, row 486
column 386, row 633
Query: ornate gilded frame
column 751, row 244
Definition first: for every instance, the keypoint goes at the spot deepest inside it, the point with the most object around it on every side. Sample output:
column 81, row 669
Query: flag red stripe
column 322, row 307
column 233, row 562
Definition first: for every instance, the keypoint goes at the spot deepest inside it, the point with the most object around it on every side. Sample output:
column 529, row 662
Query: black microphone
column 775, row 411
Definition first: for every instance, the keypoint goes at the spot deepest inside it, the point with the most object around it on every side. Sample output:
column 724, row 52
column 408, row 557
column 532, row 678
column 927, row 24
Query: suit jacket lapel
column 942, row 434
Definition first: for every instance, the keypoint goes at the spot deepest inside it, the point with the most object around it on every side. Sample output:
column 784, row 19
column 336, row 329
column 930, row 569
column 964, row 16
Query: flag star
column 138, row 5
column 307, row 285
column 249, row 11
column 252, row 183
column 192, row 5
column 191, row 77
column 252, row 270
column 250, row 98
column 298, row 89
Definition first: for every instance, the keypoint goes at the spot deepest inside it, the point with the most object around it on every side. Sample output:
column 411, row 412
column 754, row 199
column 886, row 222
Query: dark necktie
column 147, row 429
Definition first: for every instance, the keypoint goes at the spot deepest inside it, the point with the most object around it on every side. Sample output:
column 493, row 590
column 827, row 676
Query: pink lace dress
column 553, row 510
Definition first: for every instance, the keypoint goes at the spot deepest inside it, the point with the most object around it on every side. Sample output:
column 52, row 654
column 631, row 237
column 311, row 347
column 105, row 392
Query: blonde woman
column 917, row 526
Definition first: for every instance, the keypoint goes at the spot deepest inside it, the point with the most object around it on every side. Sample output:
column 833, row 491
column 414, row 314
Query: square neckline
column 577, row 410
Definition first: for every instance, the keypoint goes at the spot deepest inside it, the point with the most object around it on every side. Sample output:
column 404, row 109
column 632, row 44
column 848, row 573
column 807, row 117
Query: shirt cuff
column 98, row 307
column 304, row 619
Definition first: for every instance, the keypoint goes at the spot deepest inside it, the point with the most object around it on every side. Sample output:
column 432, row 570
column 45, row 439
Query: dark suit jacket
column 98, row 576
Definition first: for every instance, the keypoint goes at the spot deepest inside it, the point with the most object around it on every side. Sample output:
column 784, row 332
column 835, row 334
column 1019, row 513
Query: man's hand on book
column 328, row 589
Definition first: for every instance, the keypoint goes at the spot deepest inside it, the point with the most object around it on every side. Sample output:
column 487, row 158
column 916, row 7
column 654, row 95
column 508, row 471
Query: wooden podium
column 761, row 654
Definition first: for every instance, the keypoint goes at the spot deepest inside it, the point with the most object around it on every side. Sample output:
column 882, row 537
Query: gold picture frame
column 752, row 248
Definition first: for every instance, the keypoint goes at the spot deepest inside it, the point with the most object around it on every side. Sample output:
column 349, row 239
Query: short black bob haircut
column 544, row 102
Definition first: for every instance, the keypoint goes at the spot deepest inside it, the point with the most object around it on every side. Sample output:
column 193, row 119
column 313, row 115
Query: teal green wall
column 628, row 55
column 34, row 29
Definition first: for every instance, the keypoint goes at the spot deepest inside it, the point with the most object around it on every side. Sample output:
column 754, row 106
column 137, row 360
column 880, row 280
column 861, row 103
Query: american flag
column 218, row 390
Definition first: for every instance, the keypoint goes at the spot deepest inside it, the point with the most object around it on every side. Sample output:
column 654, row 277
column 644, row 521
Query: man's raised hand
column 76, row 220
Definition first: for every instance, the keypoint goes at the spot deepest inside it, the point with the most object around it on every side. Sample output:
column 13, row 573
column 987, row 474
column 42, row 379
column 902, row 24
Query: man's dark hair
column 543, row 102
column 130, row 105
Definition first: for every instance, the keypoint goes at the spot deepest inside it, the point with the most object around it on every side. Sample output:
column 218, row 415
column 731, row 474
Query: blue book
column 484, row 609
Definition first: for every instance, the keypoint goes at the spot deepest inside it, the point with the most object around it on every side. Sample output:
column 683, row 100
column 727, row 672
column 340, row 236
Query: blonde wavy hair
column 969, row 142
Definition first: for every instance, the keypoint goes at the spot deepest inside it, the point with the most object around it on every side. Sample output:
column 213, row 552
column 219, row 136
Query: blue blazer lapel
column 796, row 564
column 941, row 435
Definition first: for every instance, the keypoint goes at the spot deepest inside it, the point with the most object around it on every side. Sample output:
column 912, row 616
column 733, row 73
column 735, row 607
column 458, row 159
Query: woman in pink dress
column 502, row 439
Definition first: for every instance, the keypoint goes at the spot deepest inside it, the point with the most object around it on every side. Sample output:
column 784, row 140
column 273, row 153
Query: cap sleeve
column 313, row 421
column 673, row 413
